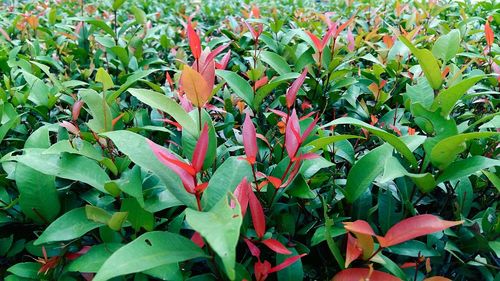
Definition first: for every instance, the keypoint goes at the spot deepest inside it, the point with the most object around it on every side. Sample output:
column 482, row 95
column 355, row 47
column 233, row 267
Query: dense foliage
column 228, row 140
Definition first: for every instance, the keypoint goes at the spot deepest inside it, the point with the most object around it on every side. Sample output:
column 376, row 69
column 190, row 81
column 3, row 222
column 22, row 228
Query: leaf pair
column 401, row 232
column 186, row 171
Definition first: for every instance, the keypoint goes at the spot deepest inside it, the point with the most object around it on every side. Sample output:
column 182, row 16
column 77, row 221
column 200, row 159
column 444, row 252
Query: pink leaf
column 258, row 218
column 309, row 129
column 70, row 127
column 215, row 52
column 170, row 160
column 291, row 94
column 286, row 263
column 261, row 82
column 197, row 239
column 254, row 250
column 250, row 139
column 224, row 61
column 276, row 246
column 292, row 134
column 200, row 149
column 261, row 270
column 75, row 110
column 357, row 274
column 350, row 40
column 414, row 227
column 241, row 193
column 359, row 226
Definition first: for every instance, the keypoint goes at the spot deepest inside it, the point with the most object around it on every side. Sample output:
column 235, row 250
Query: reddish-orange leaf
column 316, row 41
column 414, row 227
column 286, row 263
column 353, row 251
column 258, row 218
column 488, row 32
column 261, row 82
column 194, row 40
column 357, row 274
column 196, row 88
column 276, row 246
column 359, row 226
column 437, row 278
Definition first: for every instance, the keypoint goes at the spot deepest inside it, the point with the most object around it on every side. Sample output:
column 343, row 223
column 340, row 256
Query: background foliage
column 275, row 147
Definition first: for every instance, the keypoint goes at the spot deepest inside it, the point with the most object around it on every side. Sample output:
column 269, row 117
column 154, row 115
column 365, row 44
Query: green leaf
column 100, row 24
column 103, row 77
column 397, row 143
column 38, row 197
column 138, row 150
column 25, row 269
column 447, row 99
column 167, row 105
column 446, row 46
column 67, row 166
column 294, row 272
column 117, row 4
column 71, row 225
column 265, row 90
column 137, row 216
column 225, row 179
column 321, row 143
column 136, row 76
column 99, row 110
column 221, row 233
column 276, row 61
column 427, row 62
column 94, row 258
column 365, row 170
column 412, row 248
column 239, row 85
column 466, row 167
column 4, row 129
column 148, row 251
column 446, row 150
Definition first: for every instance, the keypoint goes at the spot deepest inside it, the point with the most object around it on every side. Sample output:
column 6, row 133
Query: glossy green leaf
column 276, row 61
column 397, row 143
column 427, row 62
column 239, row 85
column 446, row 150
column 94, row 258
column 447, row 99
column 446, row 46
column 103, row 77
column 167, row 105
column 137, row 149
column 466, row 167
column 99, row 110
column 323, row 142
column 71, row 225
column 222, row 233
column 148, row 251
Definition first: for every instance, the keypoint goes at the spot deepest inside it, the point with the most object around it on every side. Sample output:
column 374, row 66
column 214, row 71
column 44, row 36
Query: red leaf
column 180, row 168
column 261, row 270
column 261, row 82
column 274, row 181
column 359, row 226
column 316, row 41
column 276, row 246
column 357, row 274
column 258, row 218
column 215, row 52
column 293, row 173
column 353, row 251
column 408, row 265
column 194, row 40
column 343, row 26
column 249, row 139
column 291, row 94
column 292, row 134
column 198, row 240
column 309, row 129
column 200, row 149
column 254, row 250
column 241, row 193
column 278, row 112
column 488, row 32
column 414, row 227
column 286, row 263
